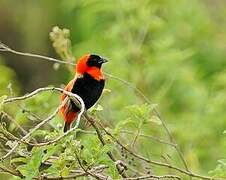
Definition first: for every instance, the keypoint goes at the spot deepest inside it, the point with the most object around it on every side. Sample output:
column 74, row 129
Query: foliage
column 173, row 51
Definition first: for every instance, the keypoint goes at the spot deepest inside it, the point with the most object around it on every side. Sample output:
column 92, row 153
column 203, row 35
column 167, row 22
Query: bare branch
column 151, row 137
column 153, row 177
column 8, row 117
column 74, row 97
column 5, row 48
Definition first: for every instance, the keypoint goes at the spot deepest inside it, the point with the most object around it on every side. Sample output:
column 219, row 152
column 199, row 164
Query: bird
column 88, row 83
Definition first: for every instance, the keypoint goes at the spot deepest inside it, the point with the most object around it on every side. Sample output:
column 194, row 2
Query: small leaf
column 99, row 108
column 19, row 160
column 106, row 148
column 106, row 90
column 56, row 66
column 65, row 172
column 155, row 119
column 124, row 123
column 96, row 108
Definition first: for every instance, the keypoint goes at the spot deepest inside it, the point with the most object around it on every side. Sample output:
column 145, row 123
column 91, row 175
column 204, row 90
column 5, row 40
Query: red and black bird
column 88, row 83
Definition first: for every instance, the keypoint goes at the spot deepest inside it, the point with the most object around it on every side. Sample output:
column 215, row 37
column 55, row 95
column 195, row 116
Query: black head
column 95, row 61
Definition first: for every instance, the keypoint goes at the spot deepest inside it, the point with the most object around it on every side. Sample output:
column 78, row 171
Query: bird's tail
column 67, row 126
column 69, row 117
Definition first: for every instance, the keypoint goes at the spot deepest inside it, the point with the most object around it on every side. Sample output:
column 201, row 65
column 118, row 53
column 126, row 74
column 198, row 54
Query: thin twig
column 151, row 137
column 153, row 177
column 8, row 117
column 32, row 131
column 5, row 48
column 74, row 97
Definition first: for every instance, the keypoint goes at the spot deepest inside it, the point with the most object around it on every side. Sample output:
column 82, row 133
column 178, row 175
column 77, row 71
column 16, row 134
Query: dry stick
column 155, row 162
column 5, row 48
column 71, row 95
column 151, row 137
column 4, row 114
column 154, row 177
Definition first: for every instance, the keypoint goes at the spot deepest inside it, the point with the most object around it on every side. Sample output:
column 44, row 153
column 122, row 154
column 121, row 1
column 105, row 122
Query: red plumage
column 88, row 84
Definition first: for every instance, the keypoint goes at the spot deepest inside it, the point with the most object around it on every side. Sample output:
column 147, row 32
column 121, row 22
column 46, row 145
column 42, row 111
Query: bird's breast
column 89, row 89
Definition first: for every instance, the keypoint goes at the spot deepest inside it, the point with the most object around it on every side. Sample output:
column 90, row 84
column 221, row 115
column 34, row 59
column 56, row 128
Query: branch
column 149, row 136
column 74, row 97
column 8, row 117
column 5, row 48
column 154, row 177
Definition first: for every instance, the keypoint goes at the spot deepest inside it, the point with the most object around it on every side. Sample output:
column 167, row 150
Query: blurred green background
column 174, row 51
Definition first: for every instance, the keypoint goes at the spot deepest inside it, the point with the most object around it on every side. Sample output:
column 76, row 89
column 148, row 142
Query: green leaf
column 19, row 160
column 124, row 123
column 141, row 114
column 50, row 151
column 65, row 172
column 96, row 108
column 99, row 108
column 106, row 148
column 155, row 119
column 31, row 169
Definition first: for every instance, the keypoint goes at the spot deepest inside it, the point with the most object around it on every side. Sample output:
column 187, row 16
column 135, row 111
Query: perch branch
column 74, row 97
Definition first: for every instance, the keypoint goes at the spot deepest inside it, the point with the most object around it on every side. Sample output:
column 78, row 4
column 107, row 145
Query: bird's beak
column 103, row 60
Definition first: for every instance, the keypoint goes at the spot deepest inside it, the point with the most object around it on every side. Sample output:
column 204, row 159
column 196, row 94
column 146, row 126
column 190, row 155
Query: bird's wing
column 67, row 107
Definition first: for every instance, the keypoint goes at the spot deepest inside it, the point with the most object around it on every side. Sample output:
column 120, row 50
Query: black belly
column 88, row 89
